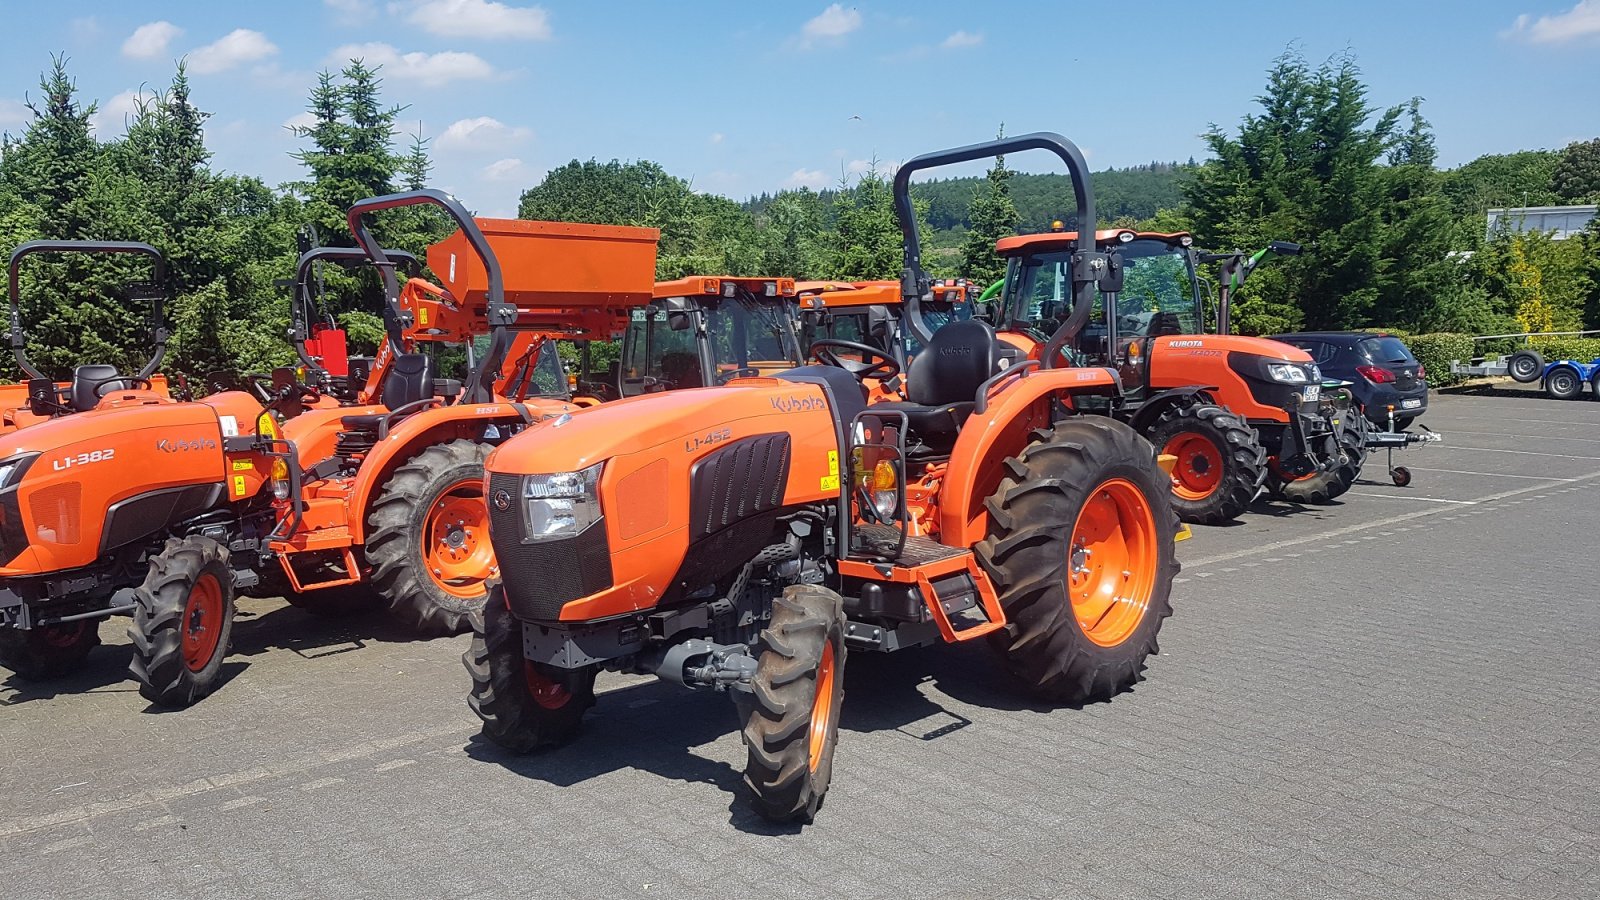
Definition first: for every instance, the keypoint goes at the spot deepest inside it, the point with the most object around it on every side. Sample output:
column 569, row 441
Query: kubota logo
column 175, row 446
column 797, row 404
column 502, row 500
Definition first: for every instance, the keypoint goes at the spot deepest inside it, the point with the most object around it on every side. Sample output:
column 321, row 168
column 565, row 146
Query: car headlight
column 1287, row 373
column 561, row 504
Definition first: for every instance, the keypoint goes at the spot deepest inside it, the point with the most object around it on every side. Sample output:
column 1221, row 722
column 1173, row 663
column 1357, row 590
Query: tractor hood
column 681, row 421
column 1276, row 351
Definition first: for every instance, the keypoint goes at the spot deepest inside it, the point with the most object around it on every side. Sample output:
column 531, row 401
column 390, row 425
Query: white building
column 1561, row 221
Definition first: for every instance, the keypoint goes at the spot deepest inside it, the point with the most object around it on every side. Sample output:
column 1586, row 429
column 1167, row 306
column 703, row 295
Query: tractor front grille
column 540, row 577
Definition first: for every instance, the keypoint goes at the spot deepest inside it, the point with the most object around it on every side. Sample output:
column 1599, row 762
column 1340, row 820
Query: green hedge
column 1436, row 351
column 1583, row 349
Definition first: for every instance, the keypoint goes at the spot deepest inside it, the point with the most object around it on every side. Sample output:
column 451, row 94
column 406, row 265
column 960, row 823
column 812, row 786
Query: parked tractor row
column 770, row 476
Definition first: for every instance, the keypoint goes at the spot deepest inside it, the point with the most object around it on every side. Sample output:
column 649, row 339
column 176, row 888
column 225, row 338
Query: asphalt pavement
column 1391, row 696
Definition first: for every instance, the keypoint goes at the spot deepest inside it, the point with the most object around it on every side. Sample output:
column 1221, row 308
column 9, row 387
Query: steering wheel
column 874, row 362
column 104, row 386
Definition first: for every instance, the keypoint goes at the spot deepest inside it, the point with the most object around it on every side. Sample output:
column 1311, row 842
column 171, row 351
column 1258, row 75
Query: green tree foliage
column 867, row 243
column 1576, row 178
column 992, row 216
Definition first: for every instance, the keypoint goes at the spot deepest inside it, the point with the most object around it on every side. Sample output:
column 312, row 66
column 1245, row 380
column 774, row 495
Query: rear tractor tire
column 49, row 651
column 1322, row 488
column 182, row 622
column 793, row 721
column 428, row 539
column 1221, row 462
column 524, row 706
column 1081, row 549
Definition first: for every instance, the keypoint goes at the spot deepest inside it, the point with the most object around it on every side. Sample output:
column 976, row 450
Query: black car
column 1380, row 368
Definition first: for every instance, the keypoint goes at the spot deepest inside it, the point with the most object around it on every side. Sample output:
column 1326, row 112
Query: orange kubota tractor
column 395, row 498
column 1236, row 411
column 747, row 537
column 134, row 503
column 40, row 398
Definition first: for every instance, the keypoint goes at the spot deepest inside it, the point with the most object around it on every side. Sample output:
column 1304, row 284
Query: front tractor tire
column 1322, row 488
column 524, row 706
column 1081, row 549
column 428, row 539
column 182, row 622
column 48, row 651
column 792, row 723
column 1221, row 463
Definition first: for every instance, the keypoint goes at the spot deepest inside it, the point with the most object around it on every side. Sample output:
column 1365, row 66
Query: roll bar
column 1088, row 264
column 480, row 382
column 158, row 326
column 301, row 304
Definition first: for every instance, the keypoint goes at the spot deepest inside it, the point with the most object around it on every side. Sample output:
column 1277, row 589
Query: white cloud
column 858, row 166
column 962, row 39
column 235, row 48
column 13, row 112
column 482, row 133
column 111, row 117
column 485, row 19
column 504, row 170
column 85, row 29
column 716, row 137
column 429, row 69
column 352, row 12
column 299, row 120
column 1580, row 22
column 150, row 40
column 831, row 24
column 811, row 178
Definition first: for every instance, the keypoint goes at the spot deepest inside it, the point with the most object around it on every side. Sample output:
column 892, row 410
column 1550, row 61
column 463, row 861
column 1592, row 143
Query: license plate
column 1312, row 393
column 1410, row 404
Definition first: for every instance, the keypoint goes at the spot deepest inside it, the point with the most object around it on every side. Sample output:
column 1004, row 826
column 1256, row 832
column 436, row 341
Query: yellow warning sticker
column 243, row 465
column 239, row 487
column 833, row 465
column 422, row 315
column 829, row 483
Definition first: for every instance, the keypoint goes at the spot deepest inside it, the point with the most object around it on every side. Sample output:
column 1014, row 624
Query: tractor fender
column 1161, row 401
column 1001, row 430
column 435, row 425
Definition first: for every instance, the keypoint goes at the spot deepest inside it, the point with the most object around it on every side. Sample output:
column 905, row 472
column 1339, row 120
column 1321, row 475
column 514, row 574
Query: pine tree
column 993, row 216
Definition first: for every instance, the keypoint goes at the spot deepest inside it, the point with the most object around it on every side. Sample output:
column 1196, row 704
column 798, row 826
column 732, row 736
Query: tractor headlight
column 1287, row 373
column 14, row 467
column 561, row 504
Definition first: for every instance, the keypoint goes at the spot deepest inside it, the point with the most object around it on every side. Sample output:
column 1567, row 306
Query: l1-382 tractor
column 748, row 537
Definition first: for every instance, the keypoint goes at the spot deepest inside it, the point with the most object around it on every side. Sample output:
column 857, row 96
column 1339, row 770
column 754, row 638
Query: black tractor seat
column 408, row 381
column 92, row 381
column 943, row 381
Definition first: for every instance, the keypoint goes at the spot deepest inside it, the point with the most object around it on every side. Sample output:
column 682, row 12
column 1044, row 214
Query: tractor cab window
column 1039, row 292
column 654, row 350
column 748, row 332
column 1158, row 291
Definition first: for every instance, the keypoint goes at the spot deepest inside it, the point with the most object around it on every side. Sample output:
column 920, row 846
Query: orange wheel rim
column 822, row 706
column 202, row 622
column 547, row 692
column 455, row 540
column 1112, row 561
column 1199, row 468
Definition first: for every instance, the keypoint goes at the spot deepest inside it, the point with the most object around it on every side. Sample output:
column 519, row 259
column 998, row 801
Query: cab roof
column 704, row 285
column 1016, row 245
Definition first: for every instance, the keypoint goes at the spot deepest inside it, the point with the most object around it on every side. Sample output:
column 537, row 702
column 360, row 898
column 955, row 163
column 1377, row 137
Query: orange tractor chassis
column 746, row 537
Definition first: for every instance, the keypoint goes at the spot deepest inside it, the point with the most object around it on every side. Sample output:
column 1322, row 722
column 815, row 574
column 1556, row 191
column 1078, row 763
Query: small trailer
column 1562, row 379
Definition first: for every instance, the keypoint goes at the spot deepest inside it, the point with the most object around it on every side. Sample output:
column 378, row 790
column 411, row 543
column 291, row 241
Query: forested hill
column 1136, row 192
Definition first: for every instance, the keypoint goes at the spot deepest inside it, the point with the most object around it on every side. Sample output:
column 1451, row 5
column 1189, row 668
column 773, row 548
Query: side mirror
column 1110, row 281
column 1285, row 248
column 678, row 321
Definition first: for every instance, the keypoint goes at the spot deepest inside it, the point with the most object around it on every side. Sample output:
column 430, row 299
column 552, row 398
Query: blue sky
column 745, row 97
